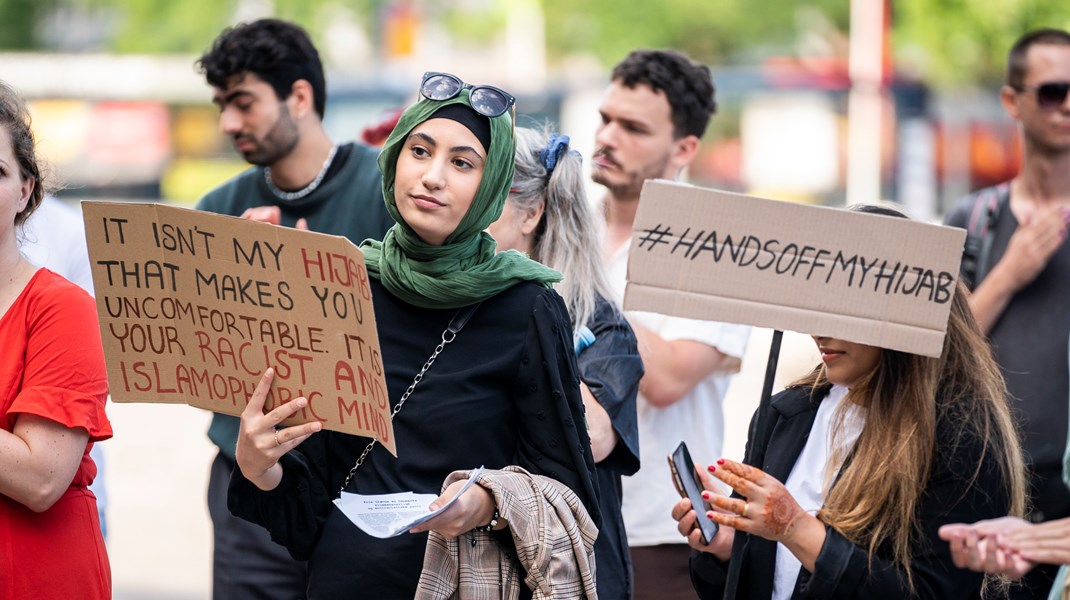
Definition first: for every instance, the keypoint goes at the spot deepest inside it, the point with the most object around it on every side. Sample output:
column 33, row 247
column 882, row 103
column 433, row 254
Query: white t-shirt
column 808, row 477
column 54, row 238
column 698, row 419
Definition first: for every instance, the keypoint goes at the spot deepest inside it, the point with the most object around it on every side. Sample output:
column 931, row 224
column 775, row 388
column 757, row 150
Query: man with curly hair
column 654, row 113
column 269, row 86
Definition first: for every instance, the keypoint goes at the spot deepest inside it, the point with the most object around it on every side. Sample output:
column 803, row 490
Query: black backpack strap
column 980, row 231
column 998, row 202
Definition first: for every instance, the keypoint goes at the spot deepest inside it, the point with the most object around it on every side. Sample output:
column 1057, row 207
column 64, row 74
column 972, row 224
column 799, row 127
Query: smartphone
column 689, row 486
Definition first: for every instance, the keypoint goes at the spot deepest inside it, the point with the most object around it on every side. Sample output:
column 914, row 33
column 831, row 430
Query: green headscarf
column 465, row 269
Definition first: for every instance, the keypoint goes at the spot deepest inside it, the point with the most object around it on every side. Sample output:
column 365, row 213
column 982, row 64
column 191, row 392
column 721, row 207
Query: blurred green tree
column 720, row 32
column 945, row 42
column 159, row 26
column 956, row 42
column 19, row 23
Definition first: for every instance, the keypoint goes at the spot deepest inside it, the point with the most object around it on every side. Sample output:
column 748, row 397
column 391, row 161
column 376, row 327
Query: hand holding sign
column 271, row 215
column 260, row 444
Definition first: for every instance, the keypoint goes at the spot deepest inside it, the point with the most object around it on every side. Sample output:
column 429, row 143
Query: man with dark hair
column 269, row 87
column 650, row 79
column 1018, row 265
column 654, row 112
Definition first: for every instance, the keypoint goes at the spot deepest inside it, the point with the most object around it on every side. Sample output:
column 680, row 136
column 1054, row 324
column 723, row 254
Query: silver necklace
column 308, row 189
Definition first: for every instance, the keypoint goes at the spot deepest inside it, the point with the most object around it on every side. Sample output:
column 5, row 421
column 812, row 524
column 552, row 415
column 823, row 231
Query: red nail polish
column 720, row 461
column 705, row 495
column 711, row 468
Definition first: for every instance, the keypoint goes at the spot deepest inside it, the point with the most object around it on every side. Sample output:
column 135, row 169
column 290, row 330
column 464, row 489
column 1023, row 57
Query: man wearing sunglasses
column 1018, row 265
column 269, row 87
column 654, row 112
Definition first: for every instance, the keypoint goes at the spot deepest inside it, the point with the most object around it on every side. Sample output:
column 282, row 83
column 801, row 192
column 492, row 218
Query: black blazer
column 843, row 570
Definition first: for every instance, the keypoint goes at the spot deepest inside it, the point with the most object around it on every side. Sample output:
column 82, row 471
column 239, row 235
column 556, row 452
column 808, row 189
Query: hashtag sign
column 654, row 236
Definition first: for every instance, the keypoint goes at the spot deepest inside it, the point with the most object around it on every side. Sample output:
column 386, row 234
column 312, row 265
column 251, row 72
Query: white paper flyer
column 388, row 515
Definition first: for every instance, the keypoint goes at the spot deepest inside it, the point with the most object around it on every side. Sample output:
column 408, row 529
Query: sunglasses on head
column 1049, row 95
column 486, row 100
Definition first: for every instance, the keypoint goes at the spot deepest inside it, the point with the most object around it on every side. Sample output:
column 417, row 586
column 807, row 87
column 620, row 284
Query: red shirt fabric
column 52, row 366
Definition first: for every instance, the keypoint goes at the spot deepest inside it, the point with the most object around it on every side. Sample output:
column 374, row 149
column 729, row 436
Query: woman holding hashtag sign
column 861, row 463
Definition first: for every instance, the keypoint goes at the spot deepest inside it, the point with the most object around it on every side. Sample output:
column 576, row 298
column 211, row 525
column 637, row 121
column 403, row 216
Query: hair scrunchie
column 552, row 152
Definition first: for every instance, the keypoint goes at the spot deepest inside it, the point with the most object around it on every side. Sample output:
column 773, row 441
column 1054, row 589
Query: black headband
column 463, row 114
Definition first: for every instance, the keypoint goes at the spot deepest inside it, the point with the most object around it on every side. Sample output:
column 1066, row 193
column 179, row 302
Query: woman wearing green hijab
column 504, row 392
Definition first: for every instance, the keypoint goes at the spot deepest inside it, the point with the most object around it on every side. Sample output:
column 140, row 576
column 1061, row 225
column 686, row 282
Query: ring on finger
column 746, row 505
column 277, row 443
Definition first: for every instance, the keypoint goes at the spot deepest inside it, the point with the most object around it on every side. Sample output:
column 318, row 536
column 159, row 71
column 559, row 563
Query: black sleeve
column 711, row 577
column 611, row 368
column 844, row 570
column 553, row 437
column 293, row 512
column 708, row 575
column 959, row 216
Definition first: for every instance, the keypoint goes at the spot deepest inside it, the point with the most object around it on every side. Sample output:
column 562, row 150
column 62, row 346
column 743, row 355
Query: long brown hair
column 874, row 501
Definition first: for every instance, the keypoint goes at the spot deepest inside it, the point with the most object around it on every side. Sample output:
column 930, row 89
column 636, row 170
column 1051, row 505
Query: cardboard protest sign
column 194, row 307
column 719, row 256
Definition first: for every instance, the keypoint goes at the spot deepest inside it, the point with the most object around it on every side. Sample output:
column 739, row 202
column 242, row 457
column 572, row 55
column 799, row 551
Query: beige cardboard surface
column 718, row 256
column 194, row 307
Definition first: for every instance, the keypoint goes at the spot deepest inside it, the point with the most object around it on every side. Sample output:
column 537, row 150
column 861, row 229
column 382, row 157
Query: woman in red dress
column 52, row 391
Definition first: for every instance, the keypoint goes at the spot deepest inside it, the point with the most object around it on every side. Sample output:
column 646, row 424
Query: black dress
column 505, row 392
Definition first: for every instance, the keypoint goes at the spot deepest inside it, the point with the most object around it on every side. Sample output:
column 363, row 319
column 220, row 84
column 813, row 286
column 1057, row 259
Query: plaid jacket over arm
column 553, row 537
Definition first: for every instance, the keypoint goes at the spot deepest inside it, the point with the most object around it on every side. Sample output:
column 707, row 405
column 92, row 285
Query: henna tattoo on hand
column 780, row 512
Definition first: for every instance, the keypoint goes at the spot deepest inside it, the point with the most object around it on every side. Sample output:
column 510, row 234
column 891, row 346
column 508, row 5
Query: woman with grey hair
column 548, row 216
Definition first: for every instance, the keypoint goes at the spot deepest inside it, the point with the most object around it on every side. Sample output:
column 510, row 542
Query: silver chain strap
column 447, row 336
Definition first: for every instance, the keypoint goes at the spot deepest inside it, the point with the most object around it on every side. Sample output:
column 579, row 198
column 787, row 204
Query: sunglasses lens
column 1052, row 94
column 441, row 87
column 488, row 101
